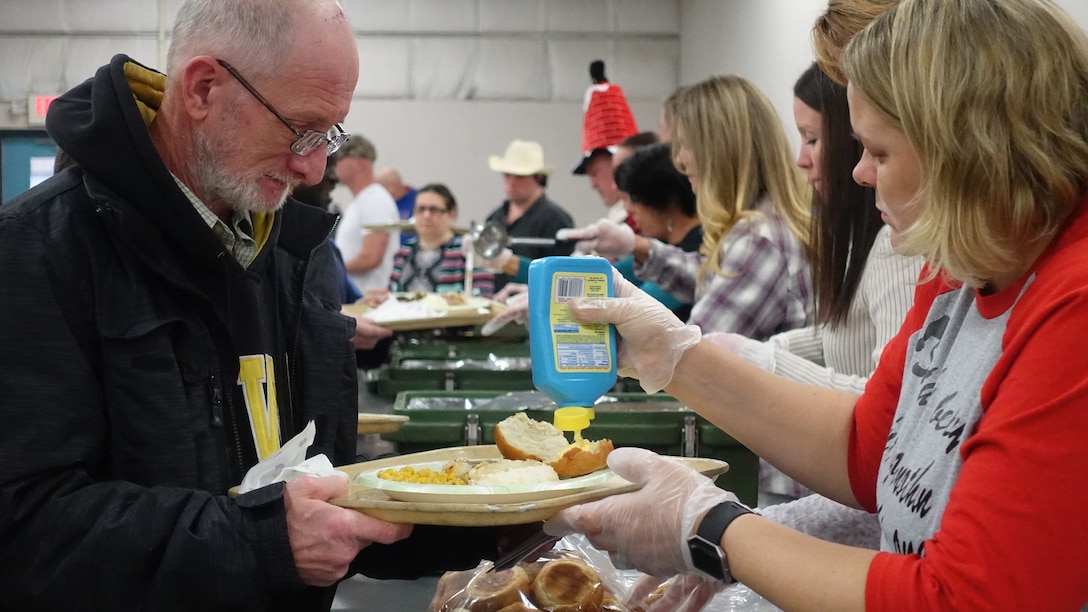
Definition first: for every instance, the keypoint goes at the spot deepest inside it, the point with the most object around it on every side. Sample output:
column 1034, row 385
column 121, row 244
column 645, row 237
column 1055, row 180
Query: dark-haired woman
column 434, row 261
column 863, row 289
column 662, row 204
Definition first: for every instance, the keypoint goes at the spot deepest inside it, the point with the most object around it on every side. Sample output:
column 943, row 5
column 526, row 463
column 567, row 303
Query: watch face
column 707, row 557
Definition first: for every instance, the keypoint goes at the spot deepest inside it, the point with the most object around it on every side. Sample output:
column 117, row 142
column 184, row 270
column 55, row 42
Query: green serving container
column 439, row 419
column 454, row 365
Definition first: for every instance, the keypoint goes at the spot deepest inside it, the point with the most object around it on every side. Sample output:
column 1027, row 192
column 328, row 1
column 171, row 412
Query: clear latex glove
column 494, row 264
column 759, row 354
column 509, row 291
column 649, row 528
column 517, row 310
column 603, row 237
column 683, row 593
column 652, row 338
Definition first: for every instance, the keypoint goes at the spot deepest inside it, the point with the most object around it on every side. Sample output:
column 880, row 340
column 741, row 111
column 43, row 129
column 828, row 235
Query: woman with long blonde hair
column 730, row 143
column 751, row 275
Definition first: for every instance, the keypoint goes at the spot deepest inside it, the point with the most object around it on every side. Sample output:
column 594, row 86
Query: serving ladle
column 489, row 239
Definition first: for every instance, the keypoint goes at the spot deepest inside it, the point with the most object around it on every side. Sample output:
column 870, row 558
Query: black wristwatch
column 705, row 546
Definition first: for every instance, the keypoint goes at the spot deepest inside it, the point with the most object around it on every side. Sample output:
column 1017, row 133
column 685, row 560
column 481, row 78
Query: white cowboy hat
column 522, row 158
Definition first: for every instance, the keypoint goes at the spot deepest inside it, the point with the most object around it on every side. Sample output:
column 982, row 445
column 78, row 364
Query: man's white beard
column 218, row 184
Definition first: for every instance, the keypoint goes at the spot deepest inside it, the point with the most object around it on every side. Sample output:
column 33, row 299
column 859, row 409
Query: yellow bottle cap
column 573, row 418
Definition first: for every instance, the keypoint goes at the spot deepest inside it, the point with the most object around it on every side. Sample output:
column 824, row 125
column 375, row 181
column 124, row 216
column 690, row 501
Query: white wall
column 445, row 83
column 1078, row 9
column 765, row 41
column 450, row 142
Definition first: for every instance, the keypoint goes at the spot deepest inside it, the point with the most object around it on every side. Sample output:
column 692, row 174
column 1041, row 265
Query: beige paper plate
column 474, row 494
column 377, row 503
column 374, row 423
column 477, row 312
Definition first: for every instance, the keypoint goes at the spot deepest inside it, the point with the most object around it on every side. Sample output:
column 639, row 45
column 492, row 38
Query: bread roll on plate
column 519, row 437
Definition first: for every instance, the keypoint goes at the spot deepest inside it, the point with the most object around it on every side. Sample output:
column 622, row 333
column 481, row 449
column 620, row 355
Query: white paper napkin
column 290, row 462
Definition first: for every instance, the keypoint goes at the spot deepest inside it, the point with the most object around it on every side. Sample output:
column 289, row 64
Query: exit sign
column 37, row 107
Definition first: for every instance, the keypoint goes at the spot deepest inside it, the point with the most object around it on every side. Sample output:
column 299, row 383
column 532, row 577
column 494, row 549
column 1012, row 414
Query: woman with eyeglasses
column 434, row 261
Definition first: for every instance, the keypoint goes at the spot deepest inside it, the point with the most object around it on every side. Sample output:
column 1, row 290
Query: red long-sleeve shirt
column 971, row 441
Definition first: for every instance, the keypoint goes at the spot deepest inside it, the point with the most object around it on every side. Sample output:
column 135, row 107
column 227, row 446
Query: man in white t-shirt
column 368, row 255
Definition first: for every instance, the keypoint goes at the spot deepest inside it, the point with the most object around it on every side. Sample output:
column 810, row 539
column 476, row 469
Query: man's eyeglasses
column 305, row 142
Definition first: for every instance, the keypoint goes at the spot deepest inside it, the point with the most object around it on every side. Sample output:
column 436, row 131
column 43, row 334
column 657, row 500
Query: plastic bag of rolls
column 564, row 579
column 576, row 577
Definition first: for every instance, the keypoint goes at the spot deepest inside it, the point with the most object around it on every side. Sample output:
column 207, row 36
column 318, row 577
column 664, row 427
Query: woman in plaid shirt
column 751, row 275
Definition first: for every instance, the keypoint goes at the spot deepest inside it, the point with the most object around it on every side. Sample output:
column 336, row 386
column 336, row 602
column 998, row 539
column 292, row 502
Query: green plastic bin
column 455, row 365
column 440, row 419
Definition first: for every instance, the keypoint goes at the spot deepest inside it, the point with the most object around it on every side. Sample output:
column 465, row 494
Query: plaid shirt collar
column 238, row 239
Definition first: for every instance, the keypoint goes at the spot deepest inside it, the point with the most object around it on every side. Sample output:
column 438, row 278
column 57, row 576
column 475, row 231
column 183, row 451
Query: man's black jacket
column 117, row 365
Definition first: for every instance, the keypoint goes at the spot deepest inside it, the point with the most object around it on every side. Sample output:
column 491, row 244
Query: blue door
column 26, row 159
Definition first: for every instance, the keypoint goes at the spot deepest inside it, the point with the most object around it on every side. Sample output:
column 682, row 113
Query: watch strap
column 710, row 531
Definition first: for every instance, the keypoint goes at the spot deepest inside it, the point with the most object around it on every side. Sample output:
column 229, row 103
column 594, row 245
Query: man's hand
column 374, row 297
column 367, row 333
column 326, row 538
